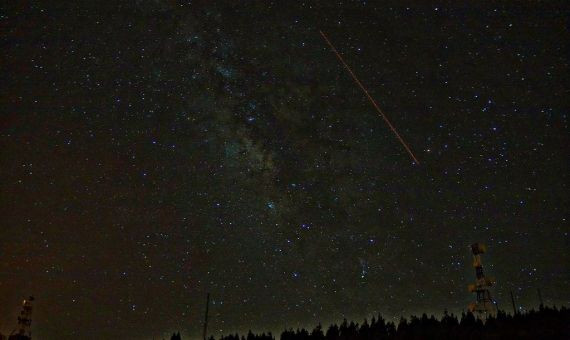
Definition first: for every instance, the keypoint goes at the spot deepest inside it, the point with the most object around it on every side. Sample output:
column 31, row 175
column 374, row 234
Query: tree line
column 545, row 323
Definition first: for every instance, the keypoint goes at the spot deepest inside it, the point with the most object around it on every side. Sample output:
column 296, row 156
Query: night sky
column 152, row 151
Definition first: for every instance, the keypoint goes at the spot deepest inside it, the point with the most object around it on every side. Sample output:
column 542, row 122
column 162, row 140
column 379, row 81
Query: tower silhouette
column 24, row 322
column 484, row 305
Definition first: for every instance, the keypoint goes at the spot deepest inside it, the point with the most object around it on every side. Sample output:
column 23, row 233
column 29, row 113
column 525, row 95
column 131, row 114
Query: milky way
column 154, row 151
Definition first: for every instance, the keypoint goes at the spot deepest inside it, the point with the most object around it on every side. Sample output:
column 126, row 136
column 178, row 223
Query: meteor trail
column 370, row 98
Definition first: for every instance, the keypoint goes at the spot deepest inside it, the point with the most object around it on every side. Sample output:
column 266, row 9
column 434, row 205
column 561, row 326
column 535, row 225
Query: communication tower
column 24, row 322
column 484, row 306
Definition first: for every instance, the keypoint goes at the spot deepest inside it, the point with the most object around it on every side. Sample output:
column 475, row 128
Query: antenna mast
column 514, row 305
column 484, row 306
column 25, row 320
column 206, row 316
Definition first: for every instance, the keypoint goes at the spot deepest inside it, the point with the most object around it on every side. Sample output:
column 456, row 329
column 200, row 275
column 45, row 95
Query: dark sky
column 155, row 150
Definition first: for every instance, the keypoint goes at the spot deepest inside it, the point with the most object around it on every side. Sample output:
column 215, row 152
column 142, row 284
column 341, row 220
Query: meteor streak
column 370, row 98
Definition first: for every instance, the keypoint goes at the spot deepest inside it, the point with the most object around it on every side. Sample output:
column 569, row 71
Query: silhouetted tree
column 332, row 333
column 317, row 333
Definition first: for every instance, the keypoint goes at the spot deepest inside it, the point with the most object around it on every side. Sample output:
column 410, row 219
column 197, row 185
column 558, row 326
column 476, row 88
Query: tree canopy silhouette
column 546, row 323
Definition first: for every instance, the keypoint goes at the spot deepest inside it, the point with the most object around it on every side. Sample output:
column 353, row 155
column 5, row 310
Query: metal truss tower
column 484, row 306
column 24, row 322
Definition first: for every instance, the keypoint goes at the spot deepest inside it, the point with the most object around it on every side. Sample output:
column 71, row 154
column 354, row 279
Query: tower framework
column 484, row 305
column 24, row 322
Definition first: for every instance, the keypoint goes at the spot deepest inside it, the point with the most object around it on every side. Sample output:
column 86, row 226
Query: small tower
column 206, row 316
column 24, row 322
column 484, row 306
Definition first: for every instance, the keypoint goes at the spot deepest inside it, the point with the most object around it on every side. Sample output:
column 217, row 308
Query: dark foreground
column 546, row 323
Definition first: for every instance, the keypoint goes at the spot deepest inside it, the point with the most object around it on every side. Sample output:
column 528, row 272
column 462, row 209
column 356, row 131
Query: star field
column 154, row 151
